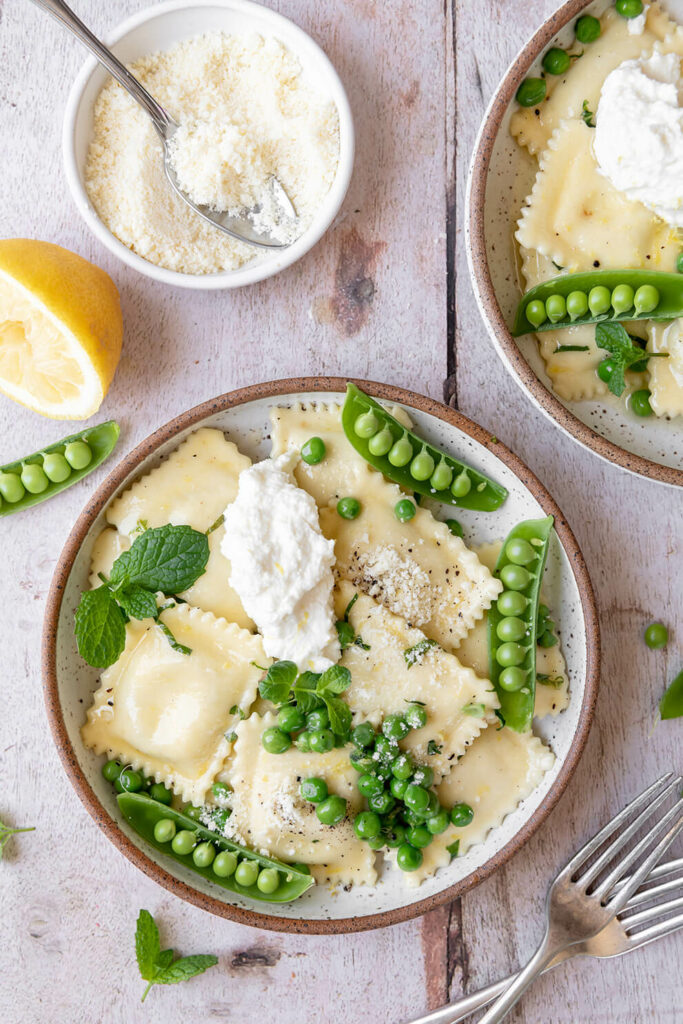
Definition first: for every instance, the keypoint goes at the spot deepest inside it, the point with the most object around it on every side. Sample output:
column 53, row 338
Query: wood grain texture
column 384, row 295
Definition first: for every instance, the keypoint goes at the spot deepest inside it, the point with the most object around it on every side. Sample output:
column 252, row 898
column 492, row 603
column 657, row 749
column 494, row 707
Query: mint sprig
column 157, row 966
column 6, row 833
column 282, row 684
column 167, row 559
column 614, row 338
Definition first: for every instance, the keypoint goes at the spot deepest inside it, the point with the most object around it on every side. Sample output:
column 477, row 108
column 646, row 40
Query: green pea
column 397, row 788
column 512, row 679
column 363, row 735
column 536, row 313
column 164, row 830
column 183, row 842
column 111, row 770
column 224, row 864
column 376, row 843
column 587, row 29
column 275, row 741
column 159, row 793
column 419, row 836
column 321, row 741
column 599, row 299
column 401, row 452
column 416, row 716
column 606, row 370
column 442, row 477
column 515, row 577
column 679, row 262
column 629, row 8
column 462, row 485
column 219, row 817
column 577, row 304
column 520, row 551
column 313, row 451
column 317, row 720
column 622, row 298
column 438, row 823
column 130, row 781
column 382, row 802
column 510, row 654
column 34, row 480
column 290, row 719
column 511, row 602
column 11, row 487
column 314, row 790
column 204, row 854
column 656, row 636
column 556, row 61
column 268, row 881
column 646, row 299
column 394, row 836
column 511, row 628
column 416, row 798
column 195, row 813
column 556, row 308
column 395, row 727
column 404, row 510
column 303, row 742
column 367, row 825
column 424, row 776
column 78, row 454
column 246, row 872
column 381, row 443
column 331, row 811
column 56, row 468
column 408, row 858
column 422, row 466
column 411, row 818
column 640, row 402
column 369, row 785
column 402, row 767
column 348, row 508
column 531, row 92
column 386, row 749
column 366, row 424
column 461, row 815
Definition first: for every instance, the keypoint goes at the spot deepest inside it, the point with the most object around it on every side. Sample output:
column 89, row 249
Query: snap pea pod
column 599, row 295
column 512, row 620
column 40, row 476
column 143, row 813
column 406, row 459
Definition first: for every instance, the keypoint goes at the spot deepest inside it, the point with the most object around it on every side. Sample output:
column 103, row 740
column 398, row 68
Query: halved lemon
column 61, row 329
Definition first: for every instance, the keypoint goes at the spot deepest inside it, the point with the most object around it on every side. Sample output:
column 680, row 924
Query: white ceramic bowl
column 159, row 28
column 243, row 415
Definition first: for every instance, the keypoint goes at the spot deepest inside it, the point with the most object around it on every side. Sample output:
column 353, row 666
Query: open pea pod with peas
column 596, row 296
column 513, row 620
column 45, row 473
column 406, row 459
column 211, row 855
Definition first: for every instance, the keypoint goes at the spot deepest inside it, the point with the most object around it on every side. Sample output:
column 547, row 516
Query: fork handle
column 539, row 961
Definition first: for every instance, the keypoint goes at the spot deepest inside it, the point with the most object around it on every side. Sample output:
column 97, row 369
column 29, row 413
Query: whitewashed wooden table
column 385, row 295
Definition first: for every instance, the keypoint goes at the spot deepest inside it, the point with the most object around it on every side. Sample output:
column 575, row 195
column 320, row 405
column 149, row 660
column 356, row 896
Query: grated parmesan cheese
column 398, row 582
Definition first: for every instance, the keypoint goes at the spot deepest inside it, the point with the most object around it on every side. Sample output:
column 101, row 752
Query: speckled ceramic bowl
column 500, row 177
column 243, row 415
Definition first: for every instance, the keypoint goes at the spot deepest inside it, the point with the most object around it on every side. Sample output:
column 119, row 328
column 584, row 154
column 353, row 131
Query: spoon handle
column 59, row 10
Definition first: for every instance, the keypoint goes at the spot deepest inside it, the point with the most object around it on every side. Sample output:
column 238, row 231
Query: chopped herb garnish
column 571, row 348
column 555, row 681
column 414, row 655
column 623, row 353
column 454, row 848
column 214, row 526
column 345, row 631
column 237, row 710
column 587, row 115
column 157, row 966
column 433, row 747
column 475, row 710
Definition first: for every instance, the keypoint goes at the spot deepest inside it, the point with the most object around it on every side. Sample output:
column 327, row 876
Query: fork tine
column 657, row 931
column 652, row 913
column 647, row 895
column 611, row 827
column 617, row 902
column 670, row 867
column 624, row 836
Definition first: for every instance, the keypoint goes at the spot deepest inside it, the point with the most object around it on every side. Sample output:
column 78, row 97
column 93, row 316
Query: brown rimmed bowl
column 500, row 177
column 243, row 415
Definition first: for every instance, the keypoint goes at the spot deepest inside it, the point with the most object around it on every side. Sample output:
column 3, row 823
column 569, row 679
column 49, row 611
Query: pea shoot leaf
column 671, row 704
column 137, row 602
column 100, row 628
column 614, row 338
column 158, row 967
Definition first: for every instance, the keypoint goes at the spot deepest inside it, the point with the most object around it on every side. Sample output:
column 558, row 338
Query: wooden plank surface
column 371, row 300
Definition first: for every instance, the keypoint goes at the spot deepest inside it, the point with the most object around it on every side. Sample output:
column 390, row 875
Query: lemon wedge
column 61, row 329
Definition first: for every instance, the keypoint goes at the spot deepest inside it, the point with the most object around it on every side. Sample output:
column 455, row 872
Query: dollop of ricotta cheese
column 639, row 133
column 281, row 564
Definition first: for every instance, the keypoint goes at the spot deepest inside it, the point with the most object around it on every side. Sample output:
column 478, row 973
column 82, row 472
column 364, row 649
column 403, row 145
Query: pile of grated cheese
column 247, row 113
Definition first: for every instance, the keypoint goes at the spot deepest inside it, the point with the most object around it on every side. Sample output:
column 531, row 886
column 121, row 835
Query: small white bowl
column 159, row 28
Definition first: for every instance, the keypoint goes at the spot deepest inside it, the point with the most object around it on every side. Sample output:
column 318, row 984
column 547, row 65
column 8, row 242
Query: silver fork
column 574, row 913
column 613, row 940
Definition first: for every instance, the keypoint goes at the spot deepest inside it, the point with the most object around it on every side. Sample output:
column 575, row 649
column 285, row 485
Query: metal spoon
column 239, row 227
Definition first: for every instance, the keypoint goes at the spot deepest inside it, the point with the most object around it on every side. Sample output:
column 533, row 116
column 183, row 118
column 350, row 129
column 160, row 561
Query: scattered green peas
column 629, row 8
column 395, row 727
column 442, row 477
column 419, row 836
column 556, row 308
column 402, row 767
column 268, row 881
column 159, row 793
column 34, row 480
column 536, row 313
column 510, row 654
column 679, row 262
column 656, row 636
column 204, row 854
column 462, row 485
column 382, row 802
column 11, row 487
column 587, row 28
column 366, row 425
column 111, row 770
column 369, row 785
column 275, row 741
column 577, row 304
column 622, row 298
column 606, row 370
column 515, row 577
column 129, row 781
column 646, row 299
column 599, row 299
column 290, row 719
column 408, row 857
column 183, row 842
column 348, row 508
column 640, row 402
column 314, row 789
column 395, row 836
column 520, row 551
column 321, row 741
column 416, row 798
column 331, row 811
column 511, row 602
column 313, row 451
column 195, row 813
column 512, row 679
column 317, row 720
column 363, row 735
column 78, row 454
column 381, row 443
column 404, row 510
column 438, row 823
column 397, row 787
column 461, row 815
column 423, row 776
column 556, row 61
column 511, row 628
column 225, row 864
column 401, row 452
column 422, row 466
column 246, row 872
column 303, row 742
column 367, row 825
column 531, row 92
column 164, row 830
column 56, row 468
column 376, row 843
column 386, row 749
column 416, row 716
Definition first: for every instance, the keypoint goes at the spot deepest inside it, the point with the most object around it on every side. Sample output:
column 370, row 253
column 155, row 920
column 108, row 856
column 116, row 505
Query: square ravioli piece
column 270, row 815
column 167, row 713
column 191, row 487
column 384, row 681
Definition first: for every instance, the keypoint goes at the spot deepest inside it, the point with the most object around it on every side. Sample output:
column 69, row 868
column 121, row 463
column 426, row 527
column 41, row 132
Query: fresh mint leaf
column 414, row 655
column 237, row 710
column 671, row 704
column 334, row 680
column 100, row 628
column 305, row 692
column 345, row 633
column 614, row 338
column 6, row 833
column 157, row 966
column 454, row 848
column 147, row 945
column 545, row 680
column 166, row 558
column 340, row 715
column 347, row 610
column 185, row 968
column 587, row 115
column 137, row 602
column 175, row 644
column 278, row 681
